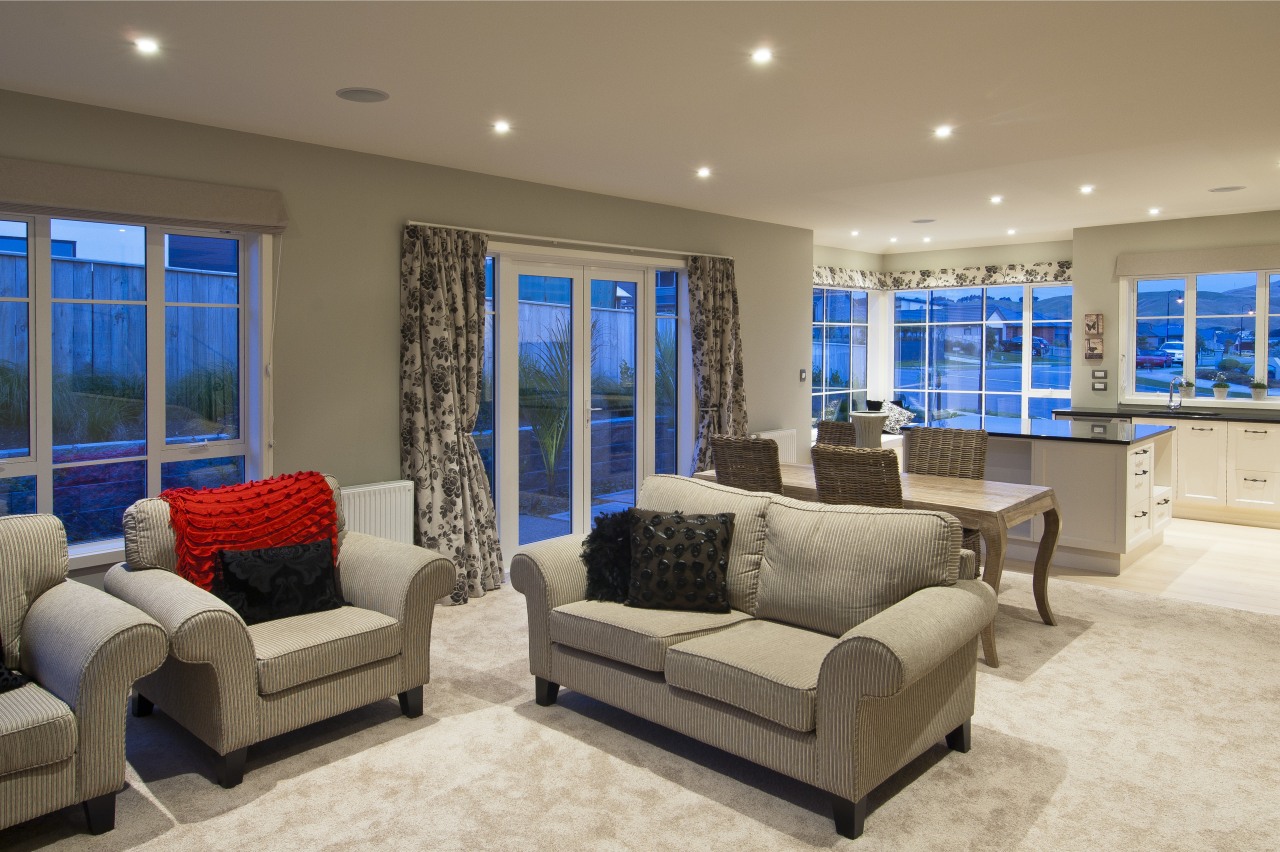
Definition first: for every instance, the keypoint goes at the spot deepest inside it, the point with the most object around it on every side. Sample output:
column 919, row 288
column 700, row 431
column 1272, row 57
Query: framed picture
column 1093, row 324
column 1093, row 348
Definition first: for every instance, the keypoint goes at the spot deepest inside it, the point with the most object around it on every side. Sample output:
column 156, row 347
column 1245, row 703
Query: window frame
column 857, row 394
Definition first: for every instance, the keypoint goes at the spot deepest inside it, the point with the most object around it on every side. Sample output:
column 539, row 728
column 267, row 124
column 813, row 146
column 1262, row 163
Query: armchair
column 62, row 734
column 234, row 685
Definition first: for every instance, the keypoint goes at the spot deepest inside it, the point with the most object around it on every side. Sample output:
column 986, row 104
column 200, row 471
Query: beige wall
column 337, row 345
column 847, row 258
column 977, row 256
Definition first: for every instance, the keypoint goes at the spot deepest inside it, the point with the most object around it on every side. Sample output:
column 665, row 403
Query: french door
column 582, row 416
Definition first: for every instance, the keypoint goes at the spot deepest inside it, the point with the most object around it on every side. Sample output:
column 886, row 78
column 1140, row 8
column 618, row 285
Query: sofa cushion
column 680, row 561
column 303, row 648
column 267, row 583
column 666, row 493
column 638, row 637
column 829, row 568
column 36, row 729
column 763, row 667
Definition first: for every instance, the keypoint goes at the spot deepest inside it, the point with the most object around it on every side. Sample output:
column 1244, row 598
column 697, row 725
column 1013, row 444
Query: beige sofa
column 849, row 650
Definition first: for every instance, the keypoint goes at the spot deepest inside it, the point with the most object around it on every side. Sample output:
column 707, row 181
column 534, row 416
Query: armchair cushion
column 279, row 582
column 637, row 637
column 298, row 650
column 763, row 667
column 36, row 729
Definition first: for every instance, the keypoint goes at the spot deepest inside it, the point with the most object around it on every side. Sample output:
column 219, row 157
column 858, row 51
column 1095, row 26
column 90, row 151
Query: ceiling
column 1153, row 103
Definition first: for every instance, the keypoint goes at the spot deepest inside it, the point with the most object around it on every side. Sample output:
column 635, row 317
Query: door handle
column 1143, row 514
column 1255, row 431
column 1141, row 452
column 1164, row 502
column 1141, row 472
column 1250, row 479
column 1201, row 428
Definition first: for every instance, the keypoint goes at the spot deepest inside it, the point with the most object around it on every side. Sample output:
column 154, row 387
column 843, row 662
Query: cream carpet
column 1137, row 723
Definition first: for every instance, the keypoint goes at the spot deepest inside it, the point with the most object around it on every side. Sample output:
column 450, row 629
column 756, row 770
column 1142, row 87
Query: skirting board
column 1086, row 560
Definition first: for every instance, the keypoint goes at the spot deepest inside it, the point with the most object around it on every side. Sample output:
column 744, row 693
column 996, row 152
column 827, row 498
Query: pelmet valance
column 53, row 189
column 924, row 279
column 1193, row 261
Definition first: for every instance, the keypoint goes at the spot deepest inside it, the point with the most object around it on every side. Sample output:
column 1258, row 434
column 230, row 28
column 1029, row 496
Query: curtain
column 717, row 354
column 441, row 349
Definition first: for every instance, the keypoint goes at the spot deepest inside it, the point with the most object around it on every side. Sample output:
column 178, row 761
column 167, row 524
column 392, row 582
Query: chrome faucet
column 1175, row 393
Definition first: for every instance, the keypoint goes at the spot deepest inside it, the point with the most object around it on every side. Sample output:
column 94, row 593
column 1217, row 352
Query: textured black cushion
column 11, row 679
column 277, row 582
column 680, row 561
column 606, row 551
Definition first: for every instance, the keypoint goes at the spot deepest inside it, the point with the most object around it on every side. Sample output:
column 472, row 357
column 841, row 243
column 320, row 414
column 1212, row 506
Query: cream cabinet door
column 1202, row 459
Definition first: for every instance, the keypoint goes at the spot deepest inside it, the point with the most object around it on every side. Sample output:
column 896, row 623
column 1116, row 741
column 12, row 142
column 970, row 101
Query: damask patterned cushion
column 606, row 551
column 680, row 561
column 10, row 679
column 279, row 582
column 898, row 417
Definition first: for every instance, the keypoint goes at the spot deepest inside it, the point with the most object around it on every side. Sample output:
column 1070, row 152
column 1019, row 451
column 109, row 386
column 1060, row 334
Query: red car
column 1152, row 358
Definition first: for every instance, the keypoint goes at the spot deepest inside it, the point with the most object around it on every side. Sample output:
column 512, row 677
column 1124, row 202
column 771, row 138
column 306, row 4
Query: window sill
column 95, row 554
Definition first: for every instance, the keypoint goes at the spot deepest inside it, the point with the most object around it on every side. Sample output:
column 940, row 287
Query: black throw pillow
column 606, row 551
column 680, row 561
column 278, row 582
column 10, row 679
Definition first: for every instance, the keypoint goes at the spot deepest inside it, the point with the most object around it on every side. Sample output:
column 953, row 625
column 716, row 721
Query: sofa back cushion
column 829, row 568
column 33, row 559
column 666, row 493
column 149, row 540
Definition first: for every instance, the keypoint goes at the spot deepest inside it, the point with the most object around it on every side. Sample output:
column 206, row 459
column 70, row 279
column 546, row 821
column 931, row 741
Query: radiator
column 384, row 509
column 786, row 440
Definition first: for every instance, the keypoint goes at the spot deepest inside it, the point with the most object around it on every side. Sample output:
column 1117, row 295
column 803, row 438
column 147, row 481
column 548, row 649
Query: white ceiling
column 1152, row 102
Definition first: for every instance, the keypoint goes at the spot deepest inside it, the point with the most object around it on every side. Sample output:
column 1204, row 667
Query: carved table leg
column 995, row 537
column 1044, row 554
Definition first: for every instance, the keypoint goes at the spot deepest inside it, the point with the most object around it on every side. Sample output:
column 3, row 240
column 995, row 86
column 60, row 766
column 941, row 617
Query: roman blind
column 1193, row 261
column 53, row 189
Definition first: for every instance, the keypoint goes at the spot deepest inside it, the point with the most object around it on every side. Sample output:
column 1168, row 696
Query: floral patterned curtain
column 717, row 354
column 441, row 350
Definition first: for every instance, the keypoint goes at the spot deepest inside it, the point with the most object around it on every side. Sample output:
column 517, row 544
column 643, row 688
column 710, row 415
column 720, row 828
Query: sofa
column 62, row 733
column 849, row 649
column 233, row 685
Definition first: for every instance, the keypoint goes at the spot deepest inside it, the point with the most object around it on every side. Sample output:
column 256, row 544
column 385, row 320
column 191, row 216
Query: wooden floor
column 1221, row 564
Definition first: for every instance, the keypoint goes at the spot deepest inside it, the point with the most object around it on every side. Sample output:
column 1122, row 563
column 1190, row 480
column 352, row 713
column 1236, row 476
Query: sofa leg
column 849, row 816
column 229, row 769
column 100, row 813
column 142, row 705
column 959, row 739
column 411, row 702
column 545, row 691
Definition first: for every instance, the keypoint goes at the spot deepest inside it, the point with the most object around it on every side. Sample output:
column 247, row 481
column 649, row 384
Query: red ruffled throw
column 293, row 508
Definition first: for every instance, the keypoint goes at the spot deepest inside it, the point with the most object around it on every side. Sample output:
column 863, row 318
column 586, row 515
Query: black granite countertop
column 1186, row 412
column 1058, row 430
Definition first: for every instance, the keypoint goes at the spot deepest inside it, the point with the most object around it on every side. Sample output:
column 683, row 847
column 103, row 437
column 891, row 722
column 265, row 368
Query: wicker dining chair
column 837, row 433
column 857, row 475
column 747, row 463
column 940, row 451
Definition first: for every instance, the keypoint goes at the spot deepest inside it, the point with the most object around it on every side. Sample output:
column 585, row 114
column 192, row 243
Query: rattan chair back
column 857, row 475
column 747, row 463
column 946, row 452
column 837, row 433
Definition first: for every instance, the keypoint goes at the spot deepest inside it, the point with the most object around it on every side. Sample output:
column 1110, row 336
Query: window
column 839, row 374
column 136, row 336
column 666, row 356
column 969, row 352
column 1229, row 313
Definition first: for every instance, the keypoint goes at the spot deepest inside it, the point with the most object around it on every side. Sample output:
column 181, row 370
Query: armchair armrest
column 88, row 648
column 968, row 565
column 549, row 574
column 403, row 581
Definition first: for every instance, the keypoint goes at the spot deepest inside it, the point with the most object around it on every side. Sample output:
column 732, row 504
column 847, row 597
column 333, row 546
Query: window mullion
column 155, row 355
column 40, row 266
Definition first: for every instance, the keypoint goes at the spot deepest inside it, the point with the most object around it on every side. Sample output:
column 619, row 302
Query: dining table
column 990, row 507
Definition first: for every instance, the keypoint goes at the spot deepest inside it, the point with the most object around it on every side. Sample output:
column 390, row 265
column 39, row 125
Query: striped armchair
column 233, row 685
column 62, row 734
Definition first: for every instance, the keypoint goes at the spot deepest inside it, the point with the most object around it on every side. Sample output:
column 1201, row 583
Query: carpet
column 1137, row 723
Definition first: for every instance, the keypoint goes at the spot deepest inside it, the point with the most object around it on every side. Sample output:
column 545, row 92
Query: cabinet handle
column 1141, row 452
column 1251, row 479
column 1164, row 502
column 1142, row 515
column 1141, row 472
column 1255, row 431
column 1201, row 428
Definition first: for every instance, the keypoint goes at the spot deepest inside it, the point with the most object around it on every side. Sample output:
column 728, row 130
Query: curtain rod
column 568, row 243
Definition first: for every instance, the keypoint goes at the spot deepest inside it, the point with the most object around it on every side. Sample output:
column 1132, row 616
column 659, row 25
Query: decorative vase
column 1187, row 391
column 1220, row 393
column 1260, row 394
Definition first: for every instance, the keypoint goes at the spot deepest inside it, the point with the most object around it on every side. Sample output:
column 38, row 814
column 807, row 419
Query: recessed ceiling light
column 502, row 127
column 762, row 56
column 1226, row 189
column 1153, row 211
column 853, row 233
column 1011, row 231
column 942, row 131
column 704, row 172
column 147, row 45
column 928, row 239
column 1087, row 189
column 997, row 199
column 893, row 239
column 923, row 221
column 362, row 95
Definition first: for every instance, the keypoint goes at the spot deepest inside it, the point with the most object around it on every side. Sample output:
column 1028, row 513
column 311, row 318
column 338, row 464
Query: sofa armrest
column 889, row 651
column 549, row 574
column 403, row 581
column 89, row 648
column 968, row 565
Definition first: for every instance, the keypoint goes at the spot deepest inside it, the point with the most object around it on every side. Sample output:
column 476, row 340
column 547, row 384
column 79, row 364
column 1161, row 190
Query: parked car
column 1152, row 359
column 1174, row 350
column 1039, row 346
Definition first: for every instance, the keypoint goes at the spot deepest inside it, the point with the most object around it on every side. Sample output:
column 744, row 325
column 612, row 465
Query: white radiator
column 786, row 440
column 384, row 509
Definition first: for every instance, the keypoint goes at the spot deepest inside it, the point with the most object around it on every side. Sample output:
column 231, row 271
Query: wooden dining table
column 992, row 508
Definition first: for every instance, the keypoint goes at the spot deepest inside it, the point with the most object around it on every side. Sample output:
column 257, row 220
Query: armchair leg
column 229, row 769
column 100, row 813
column 142, row 705
column 545, row 691
column 850, row 816
column 959, row 739
column 411, row 702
